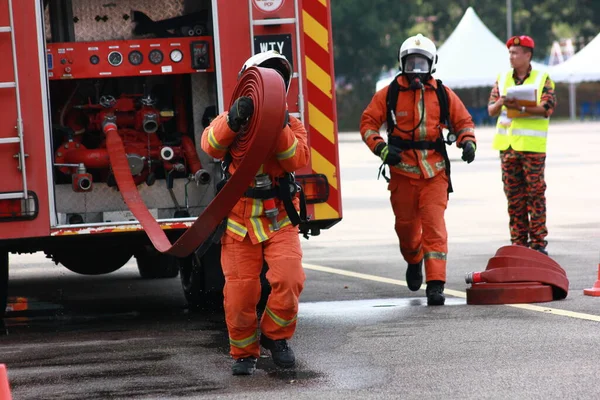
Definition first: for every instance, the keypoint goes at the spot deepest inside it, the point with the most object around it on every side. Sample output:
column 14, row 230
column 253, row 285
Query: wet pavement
column 359, row 336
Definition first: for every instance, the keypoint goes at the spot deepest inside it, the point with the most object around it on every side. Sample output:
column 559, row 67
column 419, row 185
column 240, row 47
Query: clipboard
column 526, row 95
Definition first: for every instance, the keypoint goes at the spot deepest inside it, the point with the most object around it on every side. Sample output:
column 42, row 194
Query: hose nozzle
column 473, row 277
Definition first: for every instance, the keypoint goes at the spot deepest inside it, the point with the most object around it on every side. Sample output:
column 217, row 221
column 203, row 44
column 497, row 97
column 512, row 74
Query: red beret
column 523, row 40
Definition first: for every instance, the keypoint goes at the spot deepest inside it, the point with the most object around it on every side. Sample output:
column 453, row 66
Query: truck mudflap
column 268, row 94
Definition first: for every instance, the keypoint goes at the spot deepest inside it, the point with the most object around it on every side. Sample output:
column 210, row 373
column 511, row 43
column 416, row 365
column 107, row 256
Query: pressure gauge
column 115, row 58
column 176, row 56
column 135, row 57
column 155, row 56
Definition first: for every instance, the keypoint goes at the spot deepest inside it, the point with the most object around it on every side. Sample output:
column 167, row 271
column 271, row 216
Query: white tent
column 471, row 56
column 581, row 67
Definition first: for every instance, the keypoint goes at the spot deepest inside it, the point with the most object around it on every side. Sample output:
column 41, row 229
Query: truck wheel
column 3, row 282
column 152, row 264
column 93, row 260
column 202, row 280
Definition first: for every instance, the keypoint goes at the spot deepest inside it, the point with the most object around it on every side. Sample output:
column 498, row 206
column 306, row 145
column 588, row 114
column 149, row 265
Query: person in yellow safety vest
column 521, row 135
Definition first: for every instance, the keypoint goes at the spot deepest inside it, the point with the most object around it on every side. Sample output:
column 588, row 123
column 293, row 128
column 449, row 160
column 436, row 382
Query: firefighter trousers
column 242, row 263
column 419, row 206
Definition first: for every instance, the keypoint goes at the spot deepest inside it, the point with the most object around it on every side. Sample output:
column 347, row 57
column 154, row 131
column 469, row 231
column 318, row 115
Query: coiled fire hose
column 249, row 151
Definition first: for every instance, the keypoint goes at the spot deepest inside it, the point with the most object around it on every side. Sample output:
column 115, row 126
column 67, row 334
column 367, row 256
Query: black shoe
column 283, row 355
column 542, row 250
column 435, row 293
column 244, row 366
column 414, row 276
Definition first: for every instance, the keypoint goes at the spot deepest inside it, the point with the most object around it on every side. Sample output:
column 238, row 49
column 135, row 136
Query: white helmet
column 418, row 44
column 270, row 59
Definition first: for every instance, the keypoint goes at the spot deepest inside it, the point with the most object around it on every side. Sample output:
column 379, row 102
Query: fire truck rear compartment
column 147, row 67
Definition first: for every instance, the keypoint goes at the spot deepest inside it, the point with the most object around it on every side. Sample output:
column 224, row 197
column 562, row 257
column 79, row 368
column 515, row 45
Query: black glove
column 239, row 113
column 390, row 155
column 468, row 153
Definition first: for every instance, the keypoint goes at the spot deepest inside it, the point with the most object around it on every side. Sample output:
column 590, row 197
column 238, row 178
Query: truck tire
column 202, row 280
column 97, row 260
column 3, row 282
column 152, row 264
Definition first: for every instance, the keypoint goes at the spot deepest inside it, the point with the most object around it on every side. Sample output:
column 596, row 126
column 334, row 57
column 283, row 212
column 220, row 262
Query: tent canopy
column 582, row 67
column 471, row 56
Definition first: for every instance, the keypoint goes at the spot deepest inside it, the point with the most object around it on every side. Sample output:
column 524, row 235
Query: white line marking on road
column 455, row 293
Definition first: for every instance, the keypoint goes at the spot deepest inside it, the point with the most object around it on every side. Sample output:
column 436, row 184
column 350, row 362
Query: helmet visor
column 416, row 64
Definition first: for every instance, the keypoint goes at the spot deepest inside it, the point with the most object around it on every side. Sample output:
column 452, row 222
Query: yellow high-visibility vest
column 523, row 133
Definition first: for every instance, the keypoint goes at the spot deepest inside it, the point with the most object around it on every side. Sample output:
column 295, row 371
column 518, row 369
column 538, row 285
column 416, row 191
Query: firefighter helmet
column 271, row 59
column 418, row 44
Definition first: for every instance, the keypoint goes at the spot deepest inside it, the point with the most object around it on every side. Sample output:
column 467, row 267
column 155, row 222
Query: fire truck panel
column 80, row 60
column 24, row 126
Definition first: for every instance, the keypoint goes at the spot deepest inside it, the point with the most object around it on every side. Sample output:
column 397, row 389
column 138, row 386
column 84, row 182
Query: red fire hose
column 517, row 274
column 251, row 148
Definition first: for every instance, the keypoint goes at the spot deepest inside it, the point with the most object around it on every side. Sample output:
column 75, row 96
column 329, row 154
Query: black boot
column 435, row 293
column 414, row 276
column 244, row 366
column 283, row 355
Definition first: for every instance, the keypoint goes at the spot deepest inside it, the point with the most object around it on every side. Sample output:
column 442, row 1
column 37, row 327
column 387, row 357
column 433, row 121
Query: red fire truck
column 162, row 69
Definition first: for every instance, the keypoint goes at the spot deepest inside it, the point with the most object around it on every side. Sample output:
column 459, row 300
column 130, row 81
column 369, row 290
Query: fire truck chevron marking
column 320, row 122
column 325, row 211
column 317, row 11
column 318, row 77
column 315, row 30
column 323, row 166
column 317, row 54
column 320, row 101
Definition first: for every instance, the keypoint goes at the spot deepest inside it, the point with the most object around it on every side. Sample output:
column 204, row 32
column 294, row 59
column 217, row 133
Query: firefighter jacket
column 526, row 133
column 291, row 153
column 418, row 119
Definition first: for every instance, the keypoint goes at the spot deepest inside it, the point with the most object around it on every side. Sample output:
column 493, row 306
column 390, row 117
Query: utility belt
column 438, row 145
column 402, row 144
column 285, row 189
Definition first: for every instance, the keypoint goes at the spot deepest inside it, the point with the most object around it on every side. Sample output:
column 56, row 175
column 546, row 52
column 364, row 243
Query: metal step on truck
column 161, row 69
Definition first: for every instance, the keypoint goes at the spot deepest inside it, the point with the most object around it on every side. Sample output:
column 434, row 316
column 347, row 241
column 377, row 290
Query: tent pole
column 572, row 101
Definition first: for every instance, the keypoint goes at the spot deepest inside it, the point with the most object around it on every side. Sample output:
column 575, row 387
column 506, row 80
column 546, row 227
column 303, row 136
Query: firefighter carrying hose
column 259, row 228
column 416, row 107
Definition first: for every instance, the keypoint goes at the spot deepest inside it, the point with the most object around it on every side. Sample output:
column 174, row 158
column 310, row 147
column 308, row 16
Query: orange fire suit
column 249, row 239
column 418, row 184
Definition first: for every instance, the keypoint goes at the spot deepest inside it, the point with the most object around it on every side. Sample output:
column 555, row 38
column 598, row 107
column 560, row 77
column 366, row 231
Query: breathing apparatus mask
column 416, row 68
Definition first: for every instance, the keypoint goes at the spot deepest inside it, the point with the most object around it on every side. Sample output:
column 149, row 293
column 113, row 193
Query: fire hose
column 250, row 150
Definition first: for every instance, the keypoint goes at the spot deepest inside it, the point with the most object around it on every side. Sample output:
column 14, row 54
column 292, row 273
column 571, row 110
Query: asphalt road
column 362, row 334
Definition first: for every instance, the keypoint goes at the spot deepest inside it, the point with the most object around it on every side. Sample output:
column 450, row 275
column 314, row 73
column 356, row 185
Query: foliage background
column 367, row 35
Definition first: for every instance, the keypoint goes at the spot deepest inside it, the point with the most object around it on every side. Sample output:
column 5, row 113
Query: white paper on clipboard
column 522, row 93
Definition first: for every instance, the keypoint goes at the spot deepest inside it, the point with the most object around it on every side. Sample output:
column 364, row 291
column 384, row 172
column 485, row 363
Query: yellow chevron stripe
column 325, row 211
column 318, row 77
column 324, row 2
column 320, row 122
column 316, row 31
column 323, row 166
